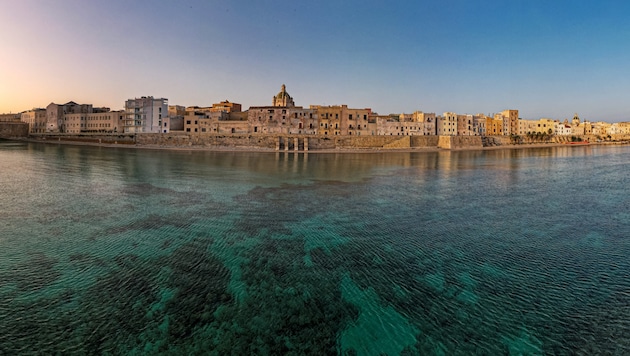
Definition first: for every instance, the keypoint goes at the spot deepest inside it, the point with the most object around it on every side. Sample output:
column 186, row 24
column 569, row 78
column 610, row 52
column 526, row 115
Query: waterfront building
column 226, row 106
column 494, row 126
column 176, row 115
column 410, row 127
column 510, row 122
column 479, row 125
column 388, row 125
column 146, row 114
column 416, row 124
column 447, row 124
column 10, row 117
column 562, row 128
column 465, row 125
column 546, row 126
column 527, row 127
column 55, row 114
column 102, row 120
column 588, row 128
column 619, row 128
column 176, row 110
column 329, row 119
column 428, row 121
column 601, row 128
column 36, row 120
column 282, row 120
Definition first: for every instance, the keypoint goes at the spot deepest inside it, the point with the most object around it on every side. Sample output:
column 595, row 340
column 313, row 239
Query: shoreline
column 314, row 151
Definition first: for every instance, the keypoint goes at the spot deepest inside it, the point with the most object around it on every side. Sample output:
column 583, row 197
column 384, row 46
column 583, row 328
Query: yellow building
column 447, row 124
column 226, row 106
column 36, row 120
column 510, row 122
column 494, row 126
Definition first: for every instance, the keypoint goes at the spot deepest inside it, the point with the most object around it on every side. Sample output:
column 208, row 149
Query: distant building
column 10, row 117
column 146, row 114
column 447, row 124
column 283, row 98
column 226, row 106
column 36, row 120
column 56, row 120
column 510, row 122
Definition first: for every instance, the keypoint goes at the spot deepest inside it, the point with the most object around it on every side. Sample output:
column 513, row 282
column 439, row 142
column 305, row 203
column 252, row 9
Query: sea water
column 134, row 251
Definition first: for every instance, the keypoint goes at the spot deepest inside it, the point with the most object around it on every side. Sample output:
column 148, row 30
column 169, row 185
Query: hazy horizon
column 546, row 59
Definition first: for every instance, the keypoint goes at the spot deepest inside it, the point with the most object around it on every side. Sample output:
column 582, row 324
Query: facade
column 103, row 121
column 146, row 114
column 226, row 106
column 479, row 125
column 55, row 114
column 494, row 126
column 388, row 125
column 546, row 126
column 10, row 117
column 36, row 120
column 447, row 124
column 465, row 125
column 282, row 120
column 510, row 122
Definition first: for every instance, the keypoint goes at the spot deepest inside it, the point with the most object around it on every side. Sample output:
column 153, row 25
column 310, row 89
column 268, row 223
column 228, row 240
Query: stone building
column 55, row 114
column 428, row 122
column 146, row 114
column 510, row 122
column 447, row 124
column 479, row 125
column 389, row 125
column 465, row 125
column 494, row 126
column 282, row 120
column 226, row 106
column 10, row 117
column 103, row 120
column 36, row 120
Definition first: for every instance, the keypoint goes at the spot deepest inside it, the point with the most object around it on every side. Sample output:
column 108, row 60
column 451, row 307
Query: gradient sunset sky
column 544, row 58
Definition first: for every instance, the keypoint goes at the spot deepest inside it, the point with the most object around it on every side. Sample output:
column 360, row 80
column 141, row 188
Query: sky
column 544, row 58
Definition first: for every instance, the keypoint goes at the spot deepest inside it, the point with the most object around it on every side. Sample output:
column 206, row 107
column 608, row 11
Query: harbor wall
column 13, row 129
column 285, row 142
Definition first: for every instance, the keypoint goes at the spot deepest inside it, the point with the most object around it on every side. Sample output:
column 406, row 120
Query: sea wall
column 459, row 142
column 13, row 129
column 280, row 142
column 286, row 142
column 206, row 140
column 126, row 139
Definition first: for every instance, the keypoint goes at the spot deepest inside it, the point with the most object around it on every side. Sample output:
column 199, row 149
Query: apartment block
column 146, row 114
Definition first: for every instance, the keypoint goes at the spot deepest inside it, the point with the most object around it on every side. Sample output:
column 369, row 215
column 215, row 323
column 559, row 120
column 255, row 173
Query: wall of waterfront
column 13, row 129
column 287, row 142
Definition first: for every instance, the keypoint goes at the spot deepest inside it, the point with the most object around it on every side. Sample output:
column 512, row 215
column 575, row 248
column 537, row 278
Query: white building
column 146, row 114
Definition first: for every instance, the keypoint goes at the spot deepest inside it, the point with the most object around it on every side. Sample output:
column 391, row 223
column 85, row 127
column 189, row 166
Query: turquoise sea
column 145, row 252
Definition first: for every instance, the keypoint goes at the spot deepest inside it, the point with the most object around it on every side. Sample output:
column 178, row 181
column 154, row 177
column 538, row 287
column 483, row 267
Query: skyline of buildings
column 154, row 115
